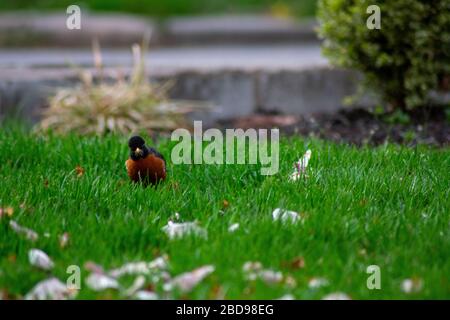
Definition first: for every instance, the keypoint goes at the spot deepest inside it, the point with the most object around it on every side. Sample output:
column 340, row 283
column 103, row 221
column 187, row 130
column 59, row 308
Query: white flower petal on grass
column 290, row 281
column 316, row 283
column 270, row 276
column 159, row 263
column 185, row 282
column 300, row 166
column 163, row 276
column 285, row 215
column 141, row 267
column 40, row 259
column 50, row 289
column 179, row 230
column 287, row 297
column 93, row 267
column 336, row 296
column 137, row 285
column 233, row 227
column 145, row 295
column 254, row 270
column 252, row 266
column 28, row 233
column 412, row 285
column 100, row 282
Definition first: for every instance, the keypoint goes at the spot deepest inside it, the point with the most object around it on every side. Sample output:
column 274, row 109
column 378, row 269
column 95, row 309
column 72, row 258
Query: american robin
column 145, row 164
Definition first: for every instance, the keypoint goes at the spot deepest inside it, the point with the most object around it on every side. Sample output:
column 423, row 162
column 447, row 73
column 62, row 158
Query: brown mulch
column 357, row 126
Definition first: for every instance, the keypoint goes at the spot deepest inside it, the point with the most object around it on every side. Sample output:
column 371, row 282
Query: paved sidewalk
column 292, row 57
column 239, row 80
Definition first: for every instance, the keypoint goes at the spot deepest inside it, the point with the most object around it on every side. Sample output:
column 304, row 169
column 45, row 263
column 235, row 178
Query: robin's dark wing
column 157, row 154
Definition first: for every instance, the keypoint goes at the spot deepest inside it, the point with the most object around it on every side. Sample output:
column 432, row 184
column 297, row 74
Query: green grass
column 387, row 206
column 172, row 7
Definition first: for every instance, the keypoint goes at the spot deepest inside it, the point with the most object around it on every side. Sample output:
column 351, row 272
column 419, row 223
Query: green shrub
column 404, row 60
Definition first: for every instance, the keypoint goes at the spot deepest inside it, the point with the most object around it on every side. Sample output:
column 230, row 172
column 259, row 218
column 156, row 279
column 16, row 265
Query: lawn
column 387, row 206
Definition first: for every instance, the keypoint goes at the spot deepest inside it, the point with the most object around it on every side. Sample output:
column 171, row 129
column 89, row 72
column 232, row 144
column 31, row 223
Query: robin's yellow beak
column 138, row 152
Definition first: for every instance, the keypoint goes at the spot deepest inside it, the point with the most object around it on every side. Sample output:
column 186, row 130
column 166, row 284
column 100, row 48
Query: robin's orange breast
column 151, row 169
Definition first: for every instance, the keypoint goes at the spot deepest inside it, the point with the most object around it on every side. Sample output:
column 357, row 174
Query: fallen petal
column 159, row 263
column 142, row 267
column 40, row 259
column 252, row 266
column 163, row 276
column 270, row 276
column 130, row 268
column 300, row 167
column 28, row 233
column 285, row 215
column 93, row 267
column 50, row 289
column 185, row 282
column 145, row 295
column 179, row 230
column 138, row 283
column 316, row 283
column 254, row 271
column 336, row 296
column 287, row 297
column 233, row 227
column 290, row 282
column 302, row 164
column 412, row 285
column 100, row 282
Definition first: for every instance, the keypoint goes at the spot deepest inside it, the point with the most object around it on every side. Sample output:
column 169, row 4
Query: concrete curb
column 233, row 92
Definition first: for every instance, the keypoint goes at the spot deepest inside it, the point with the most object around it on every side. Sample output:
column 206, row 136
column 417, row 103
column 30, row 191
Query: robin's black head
column 138, row 149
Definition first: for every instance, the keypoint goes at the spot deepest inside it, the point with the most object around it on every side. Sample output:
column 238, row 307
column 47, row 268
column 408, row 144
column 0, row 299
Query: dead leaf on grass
column 6, row 212
column 79, row 170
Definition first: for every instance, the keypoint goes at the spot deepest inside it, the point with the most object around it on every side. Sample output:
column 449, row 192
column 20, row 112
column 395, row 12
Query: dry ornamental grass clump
column 124, row 106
